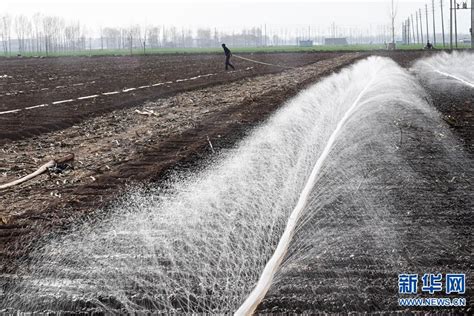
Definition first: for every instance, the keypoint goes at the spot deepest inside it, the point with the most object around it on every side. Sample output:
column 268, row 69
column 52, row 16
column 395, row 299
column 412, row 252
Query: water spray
column 266, row 278
column 457, row 66
column 199, row 243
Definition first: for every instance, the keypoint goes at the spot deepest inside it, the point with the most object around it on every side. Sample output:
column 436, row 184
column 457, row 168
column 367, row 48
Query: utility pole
column 403, row 32
column 405, row 41
column 451, row 24
column 456, row 23
column 417, row 29
column 408, row 30
column 434, row 28
column 421, row 27
column 442, row 22
column 472, row 24
column 427, row 27
column 393, row 23
column 265, row 35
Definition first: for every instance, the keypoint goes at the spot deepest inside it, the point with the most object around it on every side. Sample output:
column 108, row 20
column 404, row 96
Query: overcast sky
column 228, row 14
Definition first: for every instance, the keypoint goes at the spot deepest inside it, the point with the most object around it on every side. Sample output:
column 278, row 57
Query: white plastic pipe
column 40, row 170
column 266, row 278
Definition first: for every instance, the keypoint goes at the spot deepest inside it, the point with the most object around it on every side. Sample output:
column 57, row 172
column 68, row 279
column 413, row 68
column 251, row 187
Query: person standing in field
column 228, row 54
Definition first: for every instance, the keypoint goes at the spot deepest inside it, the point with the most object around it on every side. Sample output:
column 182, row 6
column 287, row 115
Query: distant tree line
column 47, row 34
column 44, row 34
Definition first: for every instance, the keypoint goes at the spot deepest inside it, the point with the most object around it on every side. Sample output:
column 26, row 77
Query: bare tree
column 111, row 36
column 142, row 36
column 203, row 37
column 52, row 34
column 187, row 38
column 154, row 37
column 6, row 33
column 72, row 34
column 393, row 15
column 133, row 35
column 38, row 31
column 173, row 36
column 101, row 38
column 22, row 29
column 53, row 28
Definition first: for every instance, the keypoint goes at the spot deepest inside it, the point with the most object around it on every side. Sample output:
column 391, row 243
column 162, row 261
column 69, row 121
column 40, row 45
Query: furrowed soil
column 122, row 147
column 355, row 256
column 74, row 89
column 354, row 260
column 194, row 105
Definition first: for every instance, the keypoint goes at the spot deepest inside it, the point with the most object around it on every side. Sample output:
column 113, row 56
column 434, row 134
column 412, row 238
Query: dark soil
column 41, row 207
column 456, row 105
column 346, row 257
column 70, row 78
column 33, row 82
column 186, row 148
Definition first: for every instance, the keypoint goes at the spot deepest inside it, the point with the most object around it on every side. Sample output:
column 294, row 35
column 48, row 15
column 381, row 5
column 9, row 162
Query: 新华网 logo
column 431, row 283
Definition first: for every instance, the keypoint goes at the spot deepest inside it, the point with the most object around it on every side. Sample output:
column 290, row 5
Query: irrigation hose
column 266, row 278
column 263, row 63
column 467, row 83
column 39, row 171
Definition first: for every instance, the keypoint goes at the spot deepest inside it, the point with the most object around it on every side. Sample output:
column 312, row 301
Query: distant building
column 307, row 43
column 335, row 41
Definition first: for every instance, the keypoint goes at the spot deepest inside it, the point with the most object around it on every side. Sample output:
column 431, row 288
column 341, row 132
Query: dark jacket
column 227, row 51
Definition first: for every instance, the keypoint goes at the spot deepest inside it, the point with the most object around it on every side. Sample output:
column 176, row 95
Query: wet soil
column 346, row 257
column 115, row 146
column 124, row 147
